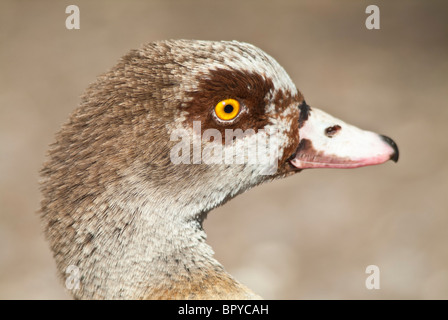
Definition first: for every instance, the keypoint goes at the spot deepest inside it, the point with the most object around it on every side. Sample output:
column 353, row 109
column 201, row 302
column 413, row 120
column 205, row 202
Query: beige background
column 305, row 237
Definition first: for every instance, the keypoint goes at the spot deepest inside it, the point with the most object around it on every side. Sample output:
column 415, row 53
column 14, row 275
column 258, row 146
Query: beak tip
column 394, row 157
column 396, row 154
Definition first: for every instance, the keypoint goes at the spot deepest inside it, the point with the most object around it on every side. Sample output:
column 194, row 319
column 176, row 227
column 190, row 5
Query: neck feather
column 139, row 246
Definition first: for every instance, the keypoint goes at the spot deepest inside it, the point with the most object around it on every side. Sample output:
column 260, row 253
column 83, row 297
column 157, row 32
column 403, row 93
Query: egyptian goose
column 124, row 199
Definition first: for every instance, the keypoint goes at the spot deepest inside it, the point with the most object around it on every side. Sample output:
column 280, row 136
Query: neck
column 149, row 249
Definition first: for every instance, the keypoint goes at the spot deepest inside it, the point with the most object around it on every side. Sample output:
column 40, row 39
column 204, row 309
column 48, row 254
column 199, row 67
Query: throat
column 184, row 267
column 145, row 254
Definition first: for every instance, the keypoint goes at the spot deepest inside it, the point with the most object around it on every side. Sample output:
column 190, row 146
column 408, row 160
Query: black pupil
column 228, row 108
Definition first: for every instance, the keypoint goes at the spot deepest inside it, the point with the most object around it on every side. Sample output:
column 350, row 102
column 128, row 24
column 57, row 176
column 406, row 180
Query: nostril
column 331, row 131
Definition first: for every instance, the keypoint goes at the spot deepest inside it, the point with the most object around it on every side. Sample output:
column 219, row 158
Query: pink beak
column 327, row 142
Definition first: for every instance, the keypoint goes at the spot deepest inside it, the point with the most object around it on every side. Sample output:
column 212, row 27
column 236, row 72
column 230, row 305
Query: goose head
column 173, row 130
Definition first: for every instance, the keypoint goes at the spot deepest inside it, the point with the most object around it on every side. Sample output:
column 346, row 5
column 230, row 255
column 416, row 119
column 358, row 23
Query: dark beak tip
column 394, row 157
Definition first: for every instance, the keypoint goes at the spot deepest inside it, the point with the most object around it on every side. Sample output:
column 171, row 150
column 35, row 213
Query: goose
column 141, row 162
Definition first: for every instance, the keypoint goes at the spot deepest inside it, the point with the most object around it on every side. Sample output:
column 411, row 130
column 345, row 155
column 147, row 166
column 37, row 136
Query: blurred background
column 308, row 236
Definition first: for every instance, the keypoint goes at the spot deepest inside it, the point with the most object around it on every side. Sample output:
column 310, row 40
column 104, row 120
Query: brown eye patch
column 250, row 89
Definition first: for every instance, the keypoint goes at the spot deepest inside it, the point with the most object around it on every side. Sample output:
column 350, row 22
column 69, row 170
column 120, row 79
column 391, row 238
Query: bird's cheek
column 292, row 143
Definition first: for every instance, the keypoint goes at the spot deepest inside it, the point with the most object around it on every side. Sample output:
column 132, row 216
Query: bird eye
column 227, row 109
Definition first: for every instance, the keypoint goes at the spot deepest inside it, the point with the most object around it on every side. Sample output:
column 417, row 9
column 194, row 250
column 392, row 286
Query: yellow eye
column 227, row 109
